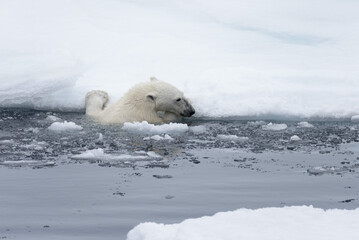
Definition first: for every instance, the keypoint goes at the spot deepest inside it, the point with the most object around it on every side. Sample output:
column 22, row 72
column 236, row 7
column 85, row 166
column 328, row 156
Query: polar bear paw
column 95, row 101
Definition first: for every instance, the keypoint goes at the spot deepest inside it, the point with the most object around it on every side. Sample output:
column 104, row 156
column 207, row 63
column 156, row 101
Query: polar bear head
column 167, row 98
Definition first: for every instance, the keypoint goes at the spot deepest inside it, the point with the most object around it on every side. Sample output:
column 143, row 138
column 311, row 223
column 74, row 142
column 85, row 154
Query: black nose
column 192, row 112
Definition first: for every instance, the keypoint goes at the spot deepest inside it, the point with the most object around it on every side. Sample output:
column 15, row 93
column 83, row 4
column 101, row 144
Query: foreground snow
column 294, row 223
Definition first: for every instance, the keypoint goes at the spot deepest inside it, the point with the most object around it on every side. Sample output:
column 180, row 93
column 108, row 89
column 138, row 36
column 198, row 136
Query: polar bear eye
column 178, row 99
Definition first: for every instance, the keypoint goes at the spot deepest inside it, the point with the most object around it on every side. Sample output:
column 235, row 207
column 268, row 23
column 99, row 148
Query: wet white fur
column 152, row 101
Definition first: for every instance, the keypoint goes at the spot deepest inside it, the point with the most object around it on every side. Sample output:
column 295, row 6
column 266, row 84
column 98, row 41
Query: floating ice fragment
column 198, row 129
column 53, row 118
column 94, row 154
column 305, row 125
column 321, row 170
column 295, row 138
column 100, row 137
column 7, row 142
column 147, row 128
column 355, row 118
column 257, row 123
column 33, row 130
column 154, row 155
column 99, row 154
column 32, row 163
column 200, row 141
column 65, row 126
column 18, row 162
column 231, row 138
column 35, row 145
column 159, row 138
column 274, row 126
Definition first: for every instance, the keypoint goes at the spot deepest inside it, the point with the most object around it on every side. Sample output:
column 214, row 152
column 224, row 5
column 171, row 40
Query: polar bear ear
column 151, row 97
column 153, row 79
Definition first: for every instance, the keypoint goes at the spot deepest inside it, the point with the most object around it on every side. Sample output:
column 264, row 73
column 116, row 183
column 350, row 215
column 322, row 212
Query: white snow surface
column 264, row 57
column 148, row 128
column 295, row 223
column 274, row 126
column 65, row 126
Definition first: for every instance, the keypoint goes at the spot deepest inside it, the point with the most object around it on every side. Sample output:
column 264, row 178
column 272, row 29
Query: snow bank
column 65, row 126
column 147, row 128
column 99, row 154
column 274, row 126
column 295, row 223
column 294, row 58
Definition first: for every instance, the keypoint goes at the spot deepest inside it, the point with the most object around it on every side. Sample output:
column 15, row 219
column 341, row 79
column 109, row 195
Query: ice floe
column 65, row 126
column 274, row 126
column 99, row 154
column 166, row 137
column 53, row 118
column 198, row 129
column 30, row 163
column 147, row 128
column 295, row 138
column 231, row 138
column 319, row 170
column 7, row 142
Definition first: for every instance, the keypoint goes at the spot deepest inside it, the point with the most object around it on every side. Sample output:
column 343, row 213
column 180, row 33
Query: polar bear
column 155, row 102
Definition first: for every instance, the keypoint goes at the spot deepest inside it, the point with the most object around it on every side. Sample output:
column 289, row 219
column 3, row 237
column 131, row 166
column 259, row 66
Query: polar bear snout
column 189, row 110
column 188, row 113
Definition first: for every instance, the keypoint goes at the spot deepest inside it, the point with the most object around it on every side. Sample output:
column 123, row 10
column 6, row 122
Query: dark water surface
column 47, row 194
